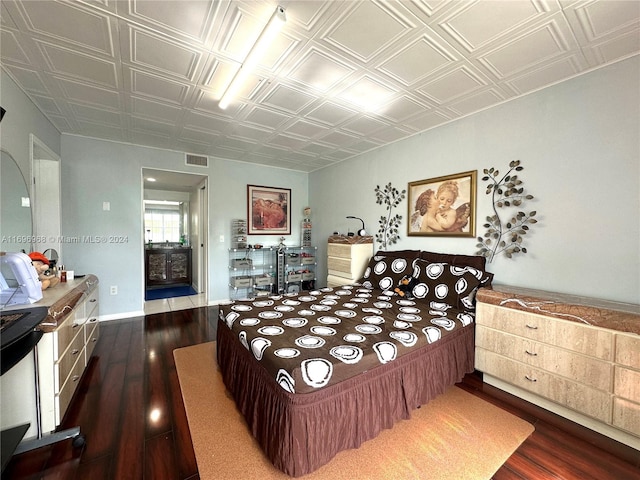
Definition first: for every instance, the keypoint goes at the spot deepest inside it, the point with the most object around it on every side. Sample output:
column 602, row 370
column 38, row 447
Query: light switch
column 106, row 206
column 221, row 238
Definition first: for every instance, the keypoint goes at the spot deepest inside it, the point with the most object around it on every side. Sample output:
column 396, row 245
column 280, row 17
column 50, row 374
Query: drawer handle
column 75, row 351
column 94, row 340
column 533, row 354
column 531, row 379
column 93, row 319
column 93, row 300
column 75, row 378
column 532, row 327
column 75, row 325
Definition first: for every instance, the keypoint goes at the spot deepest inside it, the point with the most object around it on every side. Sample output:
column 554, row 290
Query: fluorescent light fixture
column 267, row 36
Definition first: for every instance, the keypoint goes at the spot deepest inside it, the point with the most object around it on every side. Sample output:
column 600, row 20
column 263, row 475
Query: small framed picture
column 443, row 206
column 269, row 210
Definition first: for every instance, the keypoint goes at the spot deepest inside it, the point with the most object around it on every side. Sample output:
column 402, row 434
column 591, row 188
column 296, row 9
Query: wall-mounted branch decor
column 388, row 231
column 507, row 192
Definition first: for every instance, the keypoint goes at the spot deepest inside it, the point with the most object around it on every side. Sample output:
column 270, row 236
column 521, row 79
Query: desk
column 19, row 337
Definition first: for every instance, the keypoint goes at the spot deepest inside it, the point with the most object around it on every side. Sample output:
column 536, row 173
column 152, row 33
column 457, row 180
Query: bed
column 321, row 371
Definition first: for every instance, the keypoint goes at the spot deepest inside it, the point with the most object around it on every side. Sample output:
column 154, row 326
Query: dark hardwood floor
column 130, row 409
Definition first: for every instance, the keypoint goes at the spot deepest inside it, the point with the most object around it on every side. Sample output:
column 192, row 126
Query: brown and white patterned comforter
column 310, row 340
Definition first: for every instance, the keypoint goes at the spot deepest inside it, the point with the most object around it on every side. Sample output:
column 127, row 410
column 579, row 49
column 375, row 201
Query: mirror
column 15, row 207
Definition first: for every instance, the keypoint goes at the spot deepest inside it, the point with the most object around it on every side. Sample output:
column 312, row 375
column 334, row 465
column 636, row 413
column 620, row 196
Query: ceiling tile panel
column 402, row 108
column 365, row 29
column 95, row 115
column 290, row 100
column 414, row 62
column 80, row 66
column 477, row 23
column 366, row 93
column 47, row 104
column 617, row 48
column 11, row 50
column 601, row 19
column 89, row 94
column 206, row 122
column 476, row 102
column 28, row 79
column 306, row 129
column 532, row 48
column 160, row 88
column 337, row 138
column 265, row 117
column 457, row 83
column 168, row 57
column 320, row 71
column 342, row 78
column 533, row 80
column 154, row 109
column 331, row 113
column 52, row 19
column 194, row 20
column 198, row 136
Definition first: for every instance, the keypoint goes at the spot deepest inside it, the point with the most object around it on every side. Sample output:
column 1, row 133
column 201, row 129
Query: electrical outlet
column 113, row 290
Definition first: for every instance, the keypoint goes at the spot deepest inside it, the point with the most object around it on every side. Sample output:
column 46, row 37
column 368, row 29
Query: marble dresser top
column 63, row 298
column 353, row 240
column 623, row 317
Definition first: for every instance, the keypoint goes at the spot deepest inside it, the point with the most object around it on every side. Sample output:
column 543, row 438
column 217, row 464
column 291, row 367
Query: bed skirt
column 301, row 432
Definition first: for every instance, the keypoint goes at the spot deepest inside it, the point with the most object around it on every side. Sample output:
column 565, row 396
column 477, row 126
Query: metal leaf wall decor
column 389, row 225
column 506, row 237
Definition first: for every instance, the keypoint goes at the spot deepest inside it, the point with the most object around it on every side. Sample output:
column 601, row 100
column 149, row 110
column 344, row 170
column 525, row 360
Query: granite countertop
column 623, row 317
column 63, row 298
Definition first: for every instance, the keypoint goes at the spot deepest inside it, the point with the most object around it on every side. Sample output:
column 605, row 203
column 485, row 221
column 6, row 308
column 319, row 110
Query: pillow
column 474, row 261
column 445, row 283
column 408, row 254
column 384, row 272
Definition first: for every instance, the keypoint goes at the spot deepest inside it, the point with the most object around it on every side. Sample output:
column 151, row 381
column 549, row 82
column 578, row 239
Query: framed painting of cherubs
column 443, row 206
column 269, row 210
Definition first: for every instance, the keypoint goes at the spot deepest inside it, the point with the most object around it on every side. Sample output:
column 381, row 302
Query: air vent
column 197, row 160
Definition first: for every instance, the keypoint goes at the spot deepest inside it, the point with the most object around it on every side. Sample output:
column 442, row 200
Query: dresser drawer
column 569, row 335
column 91, row 304
column 63, row 397
column 64, row 365
column 92, row 334
column 581, row 398
column 626, row 415
column 340, row 266
column 628, row 350
column 338, row 250
column 65, row 334
column 566, row 363
column 627, row 384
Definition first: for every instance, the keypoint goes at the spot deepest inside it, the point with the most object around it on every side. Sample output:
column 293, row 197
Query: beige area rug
column 456, row 436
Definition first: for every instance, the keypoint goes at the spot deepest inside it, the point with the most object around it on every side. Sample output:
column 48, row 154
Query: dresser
column 347, row 258
column 574, row 356
column 71, row 331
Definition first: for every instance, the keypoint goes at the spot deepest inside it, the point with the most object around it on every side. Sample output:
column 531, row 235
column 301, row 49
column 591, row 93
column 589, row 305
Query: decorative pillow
column 385, row 273
column 446, row 283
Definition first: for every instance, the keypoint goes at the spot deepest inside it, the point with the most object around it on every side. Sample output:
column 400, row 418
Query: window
column 161, row 225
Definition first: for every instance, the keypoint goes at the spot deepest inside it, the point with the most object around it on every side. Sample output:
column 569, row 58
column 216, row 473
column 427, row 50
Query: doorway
column 175, row 223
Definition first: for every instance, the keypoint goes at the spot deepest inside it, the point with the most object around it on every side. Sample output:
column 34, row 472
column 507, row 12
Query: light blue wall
column 95, row 171
column 579, row 144
column 21, row 120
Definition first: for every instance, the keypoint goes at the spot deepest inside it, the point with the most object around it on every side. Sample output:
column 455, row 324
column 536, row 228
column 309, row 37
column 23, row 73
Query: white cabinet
column 63, row 355
column 591, row 374
column 347, row 258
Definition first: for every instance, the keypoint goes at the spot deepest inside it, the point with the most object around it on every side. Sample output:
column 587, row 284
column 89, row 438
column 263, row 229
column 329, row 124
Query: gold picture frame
column 452, row 215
